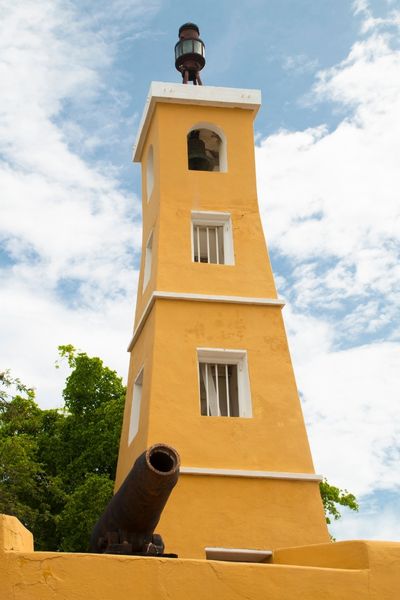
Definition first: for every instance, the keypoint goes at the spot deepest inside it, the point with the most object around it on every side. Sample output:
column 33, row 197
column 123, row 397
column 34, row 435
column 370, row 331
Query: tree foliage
column 81, row 511
column 57, row 466
column 332, row 497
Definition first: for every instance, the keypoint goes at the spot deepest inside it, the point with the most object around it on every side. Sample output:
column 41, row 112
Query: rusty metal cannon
column 127, row 525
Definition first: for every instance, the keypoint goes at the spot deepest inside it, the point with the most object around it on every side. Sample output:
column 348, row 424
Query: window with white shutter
column 212, row 241
column 223, row 383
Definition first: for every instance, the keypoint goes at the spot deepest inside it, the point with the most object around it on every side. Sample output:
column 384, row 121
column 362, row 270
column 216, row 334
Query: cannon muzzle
column 130, row 518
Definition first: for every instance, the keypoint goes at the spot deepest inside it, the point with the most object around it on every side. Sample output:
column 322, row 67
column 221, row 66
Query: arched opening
column 206, row 149
column 149, row 172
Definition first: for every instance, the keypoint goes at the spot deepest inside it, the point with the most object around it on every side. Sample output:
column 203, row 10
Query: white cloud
column 353, row 414
column 334, row 195
column 34, row 323
column 67, row 230
column 360, row 6
column 369, row 22
column 378, row 519
column 301, row 63
column 330, row 202
column 350, row 404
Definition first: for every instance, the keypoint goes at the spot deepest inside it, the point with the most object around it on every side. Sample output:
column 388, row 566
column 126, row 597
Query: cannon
column 127, row 525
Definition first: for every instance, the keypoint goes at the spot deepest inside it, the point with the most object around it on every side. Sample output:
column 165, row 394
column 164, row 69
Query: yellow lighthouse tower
column 210, row 370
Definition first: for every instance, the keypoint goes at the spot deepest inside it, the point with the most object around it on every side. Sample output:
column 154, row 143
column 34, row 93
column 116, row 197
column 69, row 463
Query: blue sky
column 74, row 80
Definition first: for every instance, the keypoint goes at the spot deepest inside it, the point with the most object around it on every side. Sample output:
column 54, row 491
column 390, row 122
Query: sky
column 74, row 78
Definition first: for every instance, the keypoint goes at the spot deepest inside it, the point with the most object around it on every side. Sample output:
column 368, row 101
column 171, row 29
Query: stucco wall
column 27, row 575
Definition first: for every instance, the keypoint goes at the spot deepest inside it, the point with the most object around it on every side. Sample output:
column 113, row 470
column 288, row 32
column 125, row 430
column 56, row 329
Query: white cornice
column 218, row 298
column 191, row 94
column 198, row 298
column 250, row 473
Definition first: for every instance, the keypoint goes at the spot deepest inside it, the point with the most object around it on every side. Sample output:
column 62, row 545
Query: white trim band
column 190, row 94
column 250, row 473
column 238, row 554
column 219, row 298
column 198, row 298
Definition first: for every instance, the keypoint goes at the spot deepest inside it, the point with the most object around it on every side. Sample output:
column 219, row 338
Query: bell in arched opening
column 204, row 150
column 197, row 157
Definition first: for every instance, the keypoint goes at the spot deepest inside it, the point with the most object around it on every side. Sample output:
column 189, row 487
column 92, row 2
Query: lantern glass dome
column 190, row 47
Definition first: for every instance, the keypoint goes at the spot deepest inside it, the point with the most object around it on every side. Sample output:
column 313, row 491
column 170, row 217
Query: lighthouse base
column 356, row 570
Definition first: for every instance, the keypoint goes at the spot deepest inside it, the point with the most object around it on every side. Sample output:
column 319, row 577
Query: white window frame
column 215, row 219
column 148, row 259
column 135, row 406
column 149, row 173
column 225, row 356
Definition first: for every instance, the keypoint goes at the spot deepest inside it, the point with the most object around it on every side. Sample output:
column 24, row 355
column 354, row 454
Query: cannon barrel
column 128, row 522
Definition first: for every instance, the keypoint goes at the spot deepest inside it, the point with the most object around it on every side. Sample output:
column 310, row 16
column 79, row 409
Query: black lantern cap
column 188, row 26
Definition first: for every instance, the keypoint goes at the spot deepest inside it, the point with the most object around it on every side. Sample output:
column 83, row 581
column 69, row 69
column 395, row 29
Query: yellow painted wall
column 342, row 555
column 178, row 191
column 150, row 219
column 27, row 575
column 14, row 536
column 141, row 358
column 234, row 191
column 231, row 511
column 274, row 439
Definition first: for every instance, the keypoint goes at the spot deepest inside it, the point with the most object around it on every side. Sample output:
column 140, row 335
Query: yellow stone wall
column 273, row 440
column 208, row 510
column 178, row 191
column 27, row 575
column 231, row 512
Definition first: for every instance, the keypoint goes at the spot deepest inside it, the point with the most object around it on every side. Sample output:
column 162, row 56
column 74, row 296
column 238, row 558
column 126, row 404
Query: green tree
column 332, row 497
column 88, row 440
column 57, row 467
column 27, row 488
column 81, row 511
